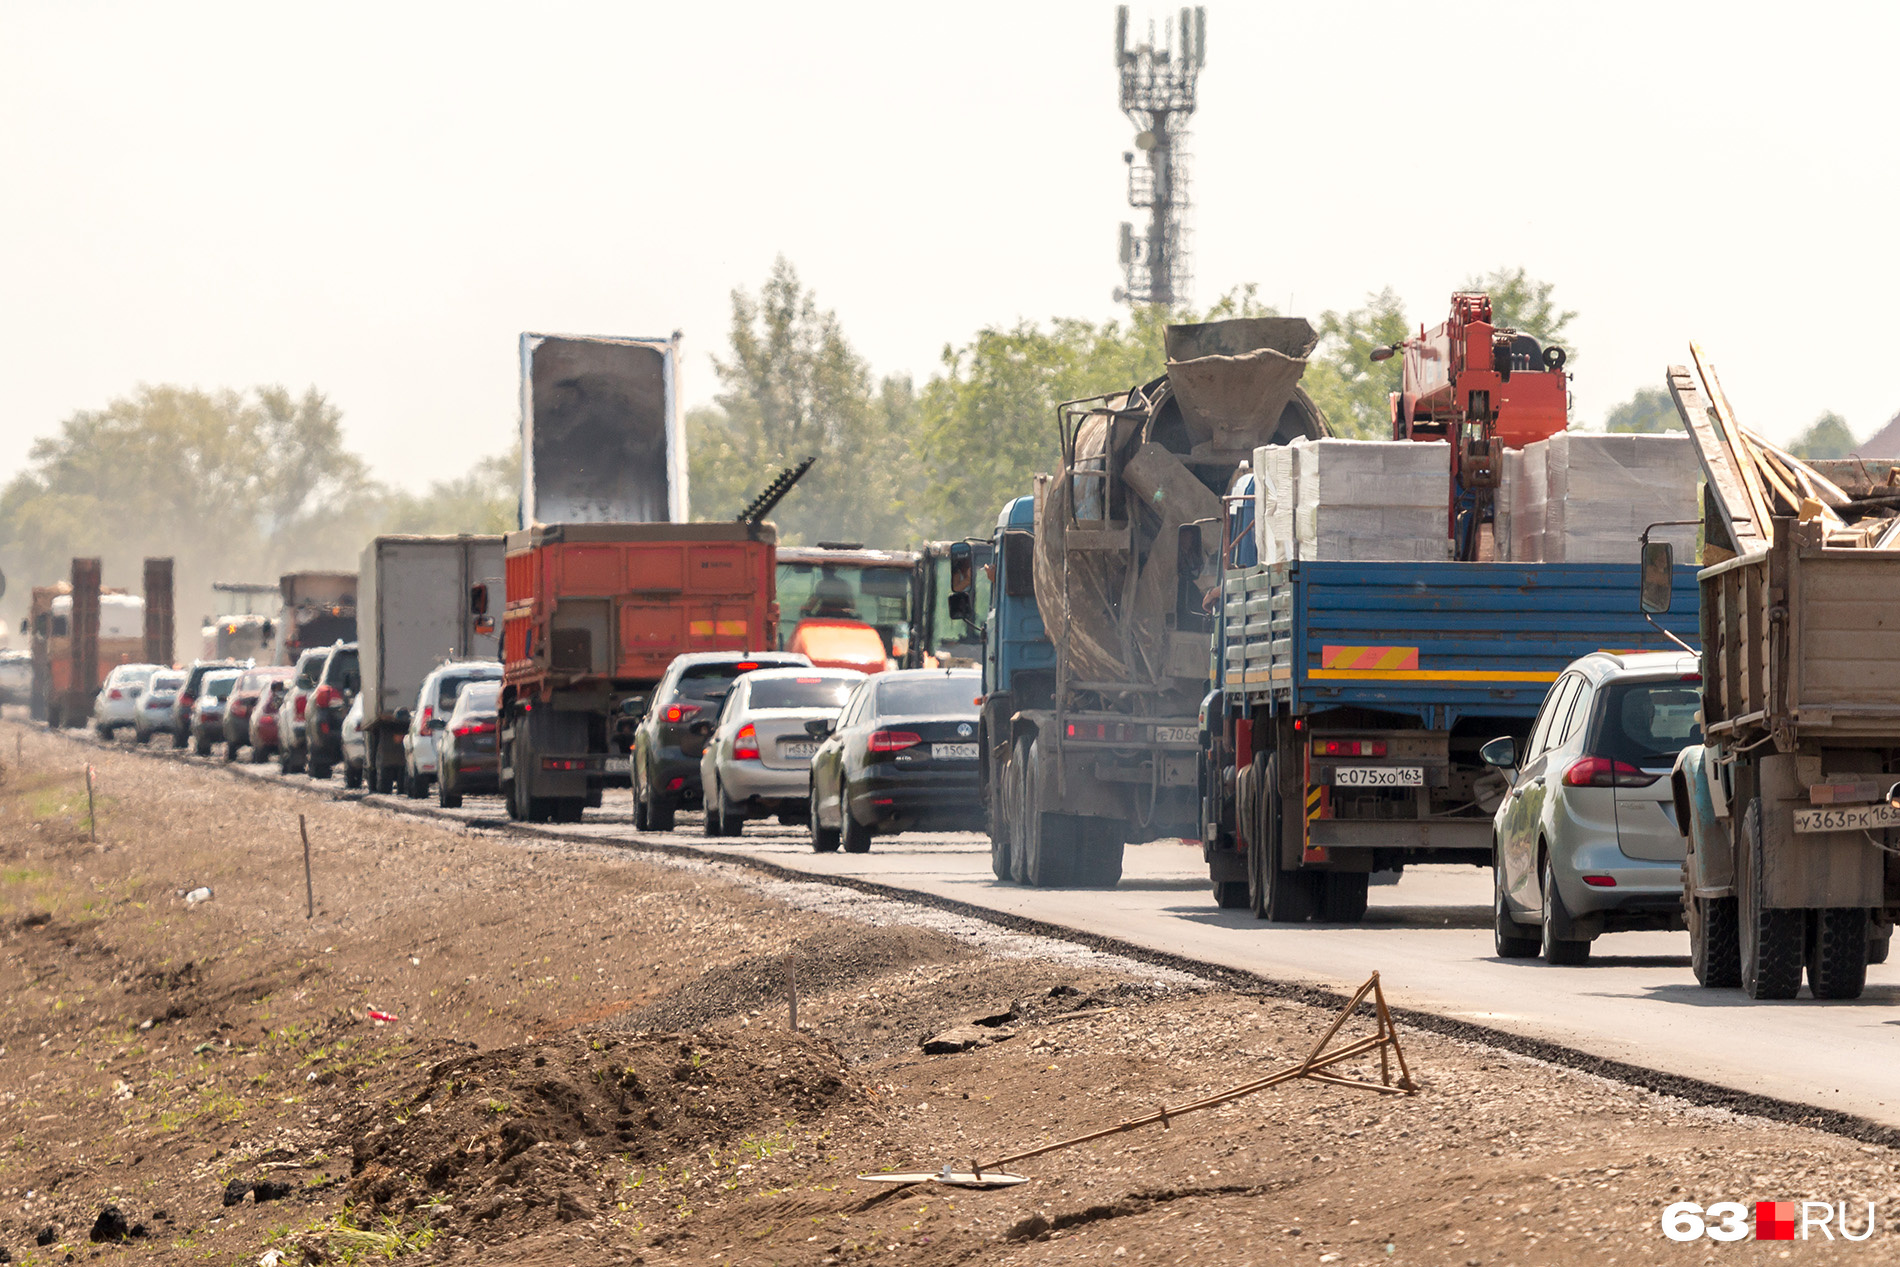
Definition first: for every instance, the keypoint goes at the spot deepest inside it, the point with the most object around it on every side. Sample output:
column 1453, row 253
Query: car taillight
column 1349, row 747
column 680, row 712
column 476, row 728
column 302, row 702
column 892, row 740
column 115, row 693
column 745, row 744
column 326, row 696
column 1603, row 772
column 240, row 709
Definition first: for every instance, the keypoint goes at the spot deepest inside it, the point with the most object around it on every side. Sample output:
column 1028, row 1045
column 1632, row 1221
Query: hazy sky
column 375, row 199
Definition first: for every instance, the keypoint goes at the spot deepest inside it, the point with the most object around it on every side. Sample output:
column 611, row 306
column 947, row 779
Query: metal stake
column 309, row 892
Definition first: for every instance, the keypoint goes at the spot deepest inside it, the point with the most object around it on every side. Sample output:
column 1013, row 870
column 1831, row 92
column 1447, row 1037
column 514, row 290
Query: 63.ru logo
column 1774, row 1221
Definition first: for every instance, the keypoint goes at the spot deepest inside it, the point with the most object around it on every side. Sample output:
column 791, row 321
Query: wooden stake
column 309, row 891
column 92, row 821
column 791, row 987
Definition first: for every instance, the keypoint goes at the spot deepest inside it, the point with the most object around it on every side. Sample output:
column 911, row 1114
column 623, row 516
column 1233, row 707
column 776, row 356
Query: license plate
column 1177, row 734
column 618, row 765
column 797, row 749
column 1847, row 818
column 953, row 751
column 1379, row 776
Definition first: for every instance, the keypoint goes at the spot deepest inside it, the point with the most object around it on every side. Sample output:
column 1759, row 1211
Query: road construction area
column 456, row 1039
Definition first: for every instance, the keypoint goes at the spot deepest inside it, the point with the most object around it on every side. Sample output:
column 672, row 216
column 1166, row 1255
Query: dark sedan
column 671, row 737
column 466, row 759
column 901, row 756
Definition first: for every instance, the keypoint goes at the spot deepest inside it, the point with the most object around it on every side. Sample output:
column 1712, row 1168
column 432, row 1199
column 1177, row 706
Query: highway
column 1429, row 936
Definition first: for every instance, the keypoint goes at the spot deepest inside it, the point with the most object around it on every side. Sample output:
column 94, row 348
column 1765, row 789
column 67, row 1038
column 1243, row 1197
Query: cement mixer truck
column 1097, row 634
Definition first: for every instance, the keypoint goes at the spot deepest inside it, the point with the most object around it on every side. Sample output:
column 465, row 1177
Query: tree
column 1826, row 437
column 486, row 499
column 1520, row 302
column 1351, row 389
column 1649, row 412
column 792, row 387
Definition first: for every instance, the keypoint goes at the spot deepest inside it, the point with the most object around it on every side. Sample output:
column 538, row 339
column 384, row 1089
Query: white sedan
column 758, row 754
column 117, row 703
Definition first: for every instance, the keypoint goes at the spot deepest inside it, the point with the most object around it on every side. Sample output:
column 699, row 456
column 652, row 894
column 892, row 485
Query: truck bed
column 1470, row 639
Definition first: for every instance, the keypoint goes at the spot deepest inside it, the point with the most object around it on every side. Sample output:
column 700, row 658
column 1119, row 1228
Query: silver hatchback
column 1586, row 840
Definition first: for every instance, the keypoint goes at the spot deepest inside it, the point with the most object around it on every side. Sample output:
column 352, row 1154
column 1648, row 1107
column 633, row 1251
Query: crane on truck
column 1482, row 389
column 1787, row 806
column 1096, row 639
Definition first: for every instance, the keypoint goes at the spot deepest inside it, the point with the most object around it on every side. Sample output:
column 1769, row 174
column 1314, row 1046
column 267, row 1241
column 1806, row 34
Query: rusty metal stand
column 1317, row 1066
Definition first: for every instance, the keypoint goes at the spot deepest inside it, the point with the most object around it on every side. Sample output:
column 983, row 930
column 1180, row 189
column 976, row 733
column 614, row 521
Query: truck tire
column 1278, row 895
column 1002, row 824
column 1509, row 938
column 823, row 839
column 1715, row 944
column 566, row 809
column 1772, row 941
column 1231, row 895
column 1837, row 952
column 1047, row 840
column 1342, row 896
column 1099, row 846
column 1561, row 952
column 855, row 836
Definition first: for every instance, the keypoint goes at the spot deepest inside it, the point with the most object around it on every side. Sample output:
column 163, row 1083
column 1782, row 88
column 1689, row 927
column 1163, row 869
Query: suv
column 669, row 741
column 434, row 702
column 1585, row 839
column 292, row 742
column 188, row 696
column 337, row 684
column 207, row 712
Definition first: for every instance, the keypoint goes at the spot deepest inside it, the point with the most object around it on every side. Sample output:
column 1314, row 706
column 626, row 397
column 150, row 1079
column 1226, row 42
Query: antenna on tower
column 1157, row 95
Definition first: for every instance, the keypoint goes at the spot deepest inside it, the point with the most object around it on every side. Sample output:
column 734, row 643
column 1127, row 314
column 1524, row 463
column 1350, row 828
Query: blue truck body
column 1350, row 699
column 1014, row 639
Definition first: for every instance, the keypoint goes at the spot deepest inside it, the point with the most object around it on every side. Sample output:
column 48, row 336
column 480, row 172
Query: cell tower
column 1158, row 98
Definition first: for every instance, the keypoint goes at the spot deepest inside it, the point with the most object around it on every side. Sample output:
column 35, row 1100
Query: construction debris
column 1317, row 1066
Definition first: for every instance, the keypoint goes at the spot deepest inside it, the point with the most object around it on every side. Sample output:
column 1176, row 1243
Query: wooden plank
column 1729, row 430
column 1718, row 465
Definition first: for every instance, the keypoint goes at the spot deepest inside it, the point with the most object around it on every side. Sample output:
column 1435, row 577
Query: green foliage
column 1350, row 388
column 1826, row 437
column 486, row 499
column 1520, row 302
column 792, row 387
column 1650, row 411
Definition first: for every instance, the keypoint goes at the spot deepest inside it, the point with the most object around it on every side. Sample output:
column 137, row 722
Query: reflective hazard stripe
column 1386, row 659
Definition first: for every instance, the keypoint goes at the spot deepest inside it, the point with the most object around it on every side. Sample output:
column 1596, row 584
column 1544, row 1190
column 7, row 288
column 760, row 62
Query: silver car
column 434, row 702
column 758, row 755
column 1586, row 839
column 153, row 715
column 117, row 703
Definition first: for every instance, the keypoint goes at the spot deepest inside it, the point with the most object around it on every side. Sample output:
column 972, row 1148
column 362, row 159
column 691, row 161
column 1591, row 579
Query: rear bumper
column 749, row 780
column 670, row 766
column 919, row 801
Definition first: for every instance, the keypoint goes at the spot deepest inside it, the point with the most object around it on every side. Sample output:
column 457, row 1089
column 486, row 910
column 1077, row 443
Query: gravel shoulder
column 589, row 1061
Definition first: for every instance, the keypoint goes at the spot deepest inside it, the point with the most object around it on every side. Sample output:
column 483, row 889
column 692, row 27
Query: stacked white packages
column 1370, row 501
column 1583, row 498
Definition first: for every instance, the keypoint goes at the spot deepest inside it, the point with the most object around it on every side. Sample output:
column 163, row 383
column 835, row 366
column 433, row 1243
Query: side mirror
column 962, row 606
column 478, row 600
column 819, row 727
column 1659, row 577
column 1501, row 752
column 962, row 567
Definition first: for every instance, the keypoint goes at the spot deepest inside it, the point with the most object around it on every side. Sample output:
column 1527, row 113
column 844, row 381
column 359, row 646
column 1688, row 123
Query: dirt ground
column 587, row 1061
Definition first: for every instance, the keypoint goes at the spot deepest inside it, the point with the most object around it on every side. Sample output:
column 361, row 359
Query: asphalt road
column 1428, row 936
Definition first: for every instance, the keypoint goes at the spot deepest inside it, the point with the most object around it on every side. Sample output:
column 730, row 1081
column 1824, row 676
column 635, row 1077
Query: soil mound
column 493, row 1145
column 839, row 958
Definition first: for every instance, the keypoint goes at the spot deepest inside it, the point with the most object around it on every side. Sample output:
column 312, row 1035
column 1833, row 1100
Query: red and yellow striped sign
column 1382, row 658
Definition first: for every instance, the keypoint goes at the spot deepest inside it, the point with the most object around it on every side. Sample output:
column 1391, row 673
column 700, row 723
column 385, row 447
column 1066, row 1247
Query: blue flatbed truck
column 1350, row 699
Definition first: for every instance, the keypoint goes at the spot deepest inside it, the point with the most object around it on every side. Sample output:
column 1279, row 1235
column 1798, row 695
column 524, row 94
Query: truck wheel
column 1097, row 861
column 1772, row 941
column 566, row 809
column 1231, row 895
column 1715, row 945
column 823, row 839
column 1279, row 895
column 1560, row 951
column 1342, row 896
column 1837, row 952
column 1002, row 816
column 1047, row 847
column 1508, row 937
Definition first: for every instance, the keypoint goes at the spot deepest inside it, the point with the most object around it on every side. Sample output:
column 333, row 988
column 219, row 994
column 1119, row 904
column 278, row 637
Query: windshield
column 877, row 594
column 217, row 686
column 801, row 692
column 950, row 632
column 309, row 666
column 449, row 689
column 479, row 697
column 709, row 681
column 167, row 681
column 950, row 695
column 1648, row 723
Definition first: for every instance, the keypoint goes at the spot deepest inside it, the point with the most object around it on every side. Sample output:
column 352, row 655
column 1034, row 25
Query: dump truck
column 1092, row 743
column 317, row 609
column 422, row 601
column 595, row 613
column 1789, row 803
column 77, row 632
